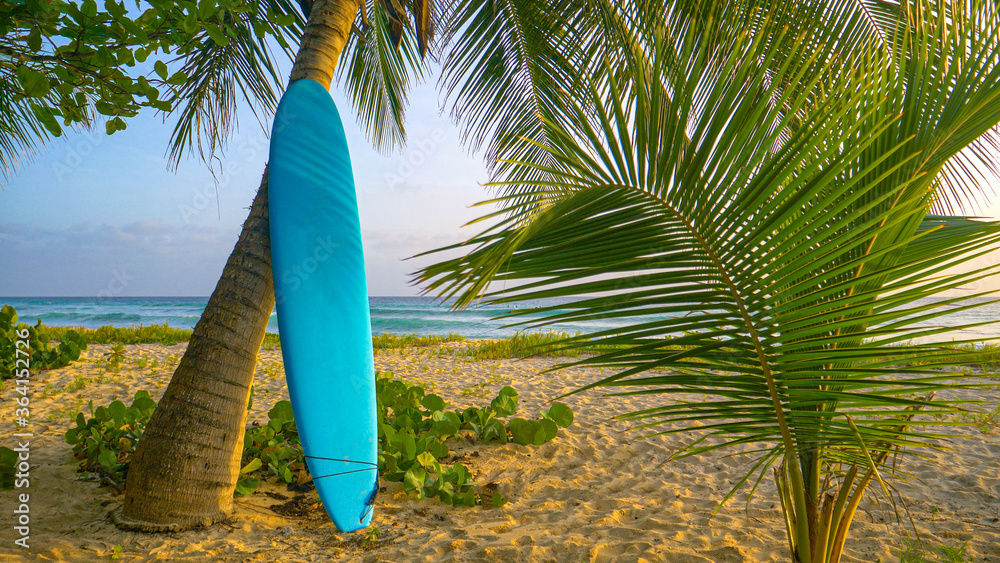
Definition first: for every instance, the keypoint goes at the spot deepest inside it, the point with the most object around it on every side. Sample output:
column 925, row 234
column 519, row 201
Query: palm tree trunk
column 185, row 468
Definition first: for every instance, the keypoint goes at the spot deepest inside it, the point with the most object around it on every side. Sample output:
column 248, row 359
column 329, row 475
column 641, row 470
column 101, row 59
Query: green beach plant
column 8, row 467
column 914, row 552
column 41, row 354
column 168, row 336
column 371, row 537
column 388, row 341
column 413, row 429
column 134, row 334
column 105, row 442
column 115, row 357
column 755, row 205
column 521, row 345
column 272, row 449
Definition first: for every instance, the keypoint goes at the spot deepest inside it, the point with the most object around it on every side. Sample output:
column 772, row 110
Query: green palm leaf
column 763, row 236
column 220, row 74
column 378, row 72
column 384, row 57
column 22, row 132
column 506, row 65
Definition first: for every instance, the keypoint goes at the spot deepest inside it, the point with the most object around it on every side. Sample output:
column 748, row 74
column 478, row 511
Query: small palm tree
column 753, row 208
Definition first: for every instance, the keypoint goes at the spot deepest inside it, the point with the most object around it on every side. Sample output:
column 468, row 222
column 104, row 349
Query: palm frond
column 506, row 66
column 220, row 74
column 762, row 237
column 22, row 133
column 381, row 66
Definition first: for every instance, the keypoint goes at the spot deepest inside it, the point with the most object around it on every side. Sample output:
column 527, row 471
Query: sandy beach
column 595, row 493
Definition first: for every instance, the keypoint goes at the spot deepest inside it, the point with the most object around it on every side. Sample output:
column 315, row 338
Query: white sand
column 593, row 494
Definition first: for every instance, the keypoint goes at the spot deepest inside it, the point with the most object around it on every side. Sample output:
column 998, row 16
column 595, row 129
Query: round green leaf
column 216, row 34
column 414, row 479
column 443, row 428
column 47, row 118
column 107, row 460
column 407, row 446
column 247, row 485
column 521, row 431
column 426, row 459
column 549, row 430
column 254, row 465
column 282, row 411
column 433, row 403
column 560, row 414
column 161, row 69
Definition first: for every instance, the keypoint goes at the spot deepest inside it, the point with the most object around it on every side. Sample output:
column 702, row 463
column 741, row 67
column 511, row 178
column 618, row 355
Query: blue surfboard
column 322, row 301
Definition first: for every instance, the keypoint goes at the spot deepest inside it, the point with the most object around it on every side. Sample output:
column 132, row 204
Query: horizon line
column 23, row 297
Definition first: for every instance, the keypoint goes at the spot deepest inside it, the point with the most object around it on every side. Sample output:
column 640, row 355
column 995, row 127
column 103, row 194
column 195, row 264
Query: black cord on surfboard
column 343, row 460
column 346, row 473
column 374, row 466
column 370, row 503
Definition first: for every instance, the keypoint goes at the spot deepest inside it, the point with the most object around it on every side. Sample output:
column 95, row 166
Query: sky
column 96, row 215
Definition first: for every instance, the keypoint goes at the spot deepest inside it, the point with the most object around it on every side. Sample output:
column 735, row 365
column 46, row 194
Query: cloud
column 84, row 259
column 154, row 257
column 990, row 279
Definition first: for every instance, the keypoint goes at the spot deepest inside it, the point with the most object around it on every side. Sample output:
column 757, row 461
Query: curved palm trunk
column 185, row 468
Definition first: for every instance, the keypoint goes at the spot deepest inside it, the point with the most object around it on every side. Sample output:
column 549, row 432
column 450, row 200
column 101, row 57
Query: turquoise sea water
column 397, row 315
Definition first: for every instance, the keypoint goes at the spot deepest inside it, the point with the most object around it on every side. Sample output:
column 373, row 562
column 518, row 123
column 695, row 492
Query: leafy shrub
column 135, row 334
column 914, row 552
column 413, row 428
column 386, row 340
column 274, row 449
column 115, row 357
column 168, row 335
column 271, row 342
column 105, row 442
column 41, row 353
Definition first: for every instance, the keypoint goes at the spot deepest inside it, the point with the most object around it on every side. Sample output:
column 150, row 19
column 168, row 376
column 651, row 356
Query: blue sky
column 96, row 214
column 102, row 215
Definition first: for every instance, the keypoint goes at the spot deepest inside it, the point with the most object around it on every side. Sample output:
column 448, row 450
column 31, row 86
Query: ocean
column 396, row 315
